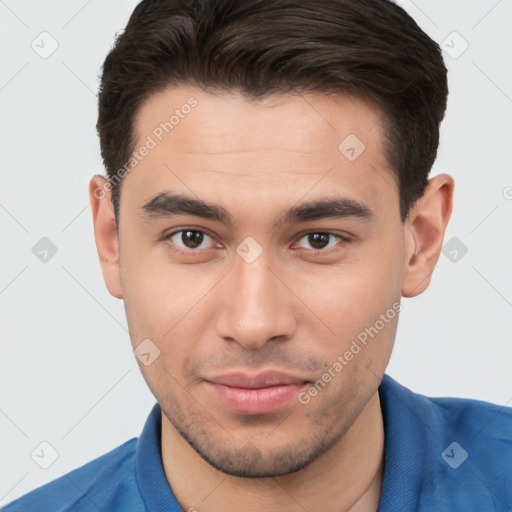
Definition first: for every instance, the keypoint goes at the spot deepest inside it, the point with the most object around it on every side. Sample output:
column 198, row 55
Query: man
column 267, row 205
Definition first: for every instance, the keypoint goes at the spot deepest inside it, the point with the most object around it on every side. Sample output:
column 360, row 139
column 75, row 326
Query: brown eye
column 190, row 239
column 320, row 241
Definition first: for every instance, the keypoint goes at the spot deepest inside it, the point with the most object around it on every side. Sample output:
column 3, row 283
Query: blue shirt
column 441, row 454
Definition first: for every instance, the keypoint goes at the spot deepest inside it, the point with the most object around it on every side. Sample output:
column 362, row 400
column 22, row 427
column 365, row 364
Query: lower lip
column 256, row 401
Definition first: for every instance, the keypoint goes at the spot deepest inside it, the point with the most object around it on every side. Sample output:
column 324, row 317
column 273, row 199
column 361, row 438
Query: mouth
column 256, row 394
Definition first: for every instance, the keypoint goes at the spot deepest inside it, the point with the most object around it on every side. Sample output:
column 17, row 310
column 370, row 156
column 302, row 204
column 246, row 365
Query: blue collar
column 155, row 489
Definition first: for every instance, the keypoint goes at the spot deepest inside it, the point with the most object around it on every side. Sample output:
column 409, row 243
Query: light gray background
column 68, row 374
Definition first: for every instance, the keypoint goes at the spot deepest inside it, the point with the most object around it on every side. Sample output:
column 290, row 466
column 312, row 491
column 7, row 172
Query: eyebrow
column 168, row 204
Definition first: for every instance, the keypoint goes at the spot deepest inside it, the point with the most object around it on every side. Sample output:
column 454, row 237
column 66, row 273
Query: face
column 274, row 314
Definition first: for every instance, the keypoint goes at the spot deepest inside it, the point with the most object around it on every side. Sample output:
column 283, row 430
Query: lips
column 255, row 394
column 262, row 380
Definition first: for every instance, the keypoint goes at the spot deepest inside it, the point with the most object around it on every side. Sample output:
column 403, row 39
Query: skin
column 291, row 309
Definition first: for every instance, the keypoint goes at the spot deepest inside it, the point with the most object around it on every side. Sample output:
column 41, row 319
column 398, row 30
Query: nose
column 256, row 306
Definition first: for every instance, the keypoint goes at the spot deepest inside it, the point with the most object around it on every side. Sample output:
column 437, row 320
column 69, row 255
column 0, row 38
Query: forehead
column 312, row 122
column 224, row 145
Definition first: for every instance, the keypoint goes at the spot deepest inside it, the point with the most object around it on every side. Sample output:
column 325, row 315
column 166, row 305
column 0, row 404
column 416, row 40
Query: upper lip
column 260, row 380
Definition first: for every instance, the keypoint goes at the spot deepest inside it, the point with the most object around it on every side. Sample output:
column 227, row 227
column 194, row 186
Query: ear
column 424, row 233
column 105, row 234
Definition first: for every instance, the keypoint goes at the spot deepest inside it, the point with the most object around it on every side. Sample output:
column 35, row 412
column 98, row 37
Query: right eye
column 187, row 240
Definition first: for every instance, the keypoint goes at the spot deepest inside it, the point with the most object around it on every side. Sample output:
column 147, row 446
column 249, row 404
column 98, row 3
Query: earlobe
column 424, row 234
column 105, row 233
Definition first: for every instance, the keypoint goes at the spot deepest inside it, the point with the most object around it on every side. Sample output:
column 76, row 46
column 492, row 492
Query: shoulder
column 476, row 421
column 483, row 427
column 476, row 451
column 466, row 416
column 462, row 447
column 108, row 477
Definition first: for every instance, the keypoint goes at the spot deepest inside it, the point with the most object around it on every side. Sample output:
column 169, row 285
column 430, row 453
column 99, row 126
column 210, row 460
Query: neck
column 346, row 478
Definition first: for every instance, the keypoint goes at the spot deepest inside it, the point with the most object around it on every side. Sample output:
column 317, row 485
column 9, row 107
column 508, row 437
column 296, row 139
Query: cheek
column 164, row 301
column 356, row 307
column 349, row 297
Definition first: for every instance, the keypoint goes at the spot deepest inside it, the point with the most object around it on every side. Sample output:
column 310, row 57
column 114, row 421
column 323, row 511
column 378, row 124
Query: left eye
column 320, row 240
column 190, row 238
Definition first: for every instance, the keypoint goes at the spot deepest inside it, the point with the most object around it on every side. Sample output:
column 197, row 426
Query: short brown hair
column 369, row 48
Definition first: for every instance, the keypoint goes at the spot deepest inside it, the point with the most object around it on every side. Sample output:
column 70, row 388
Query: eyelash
column 342, row 240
